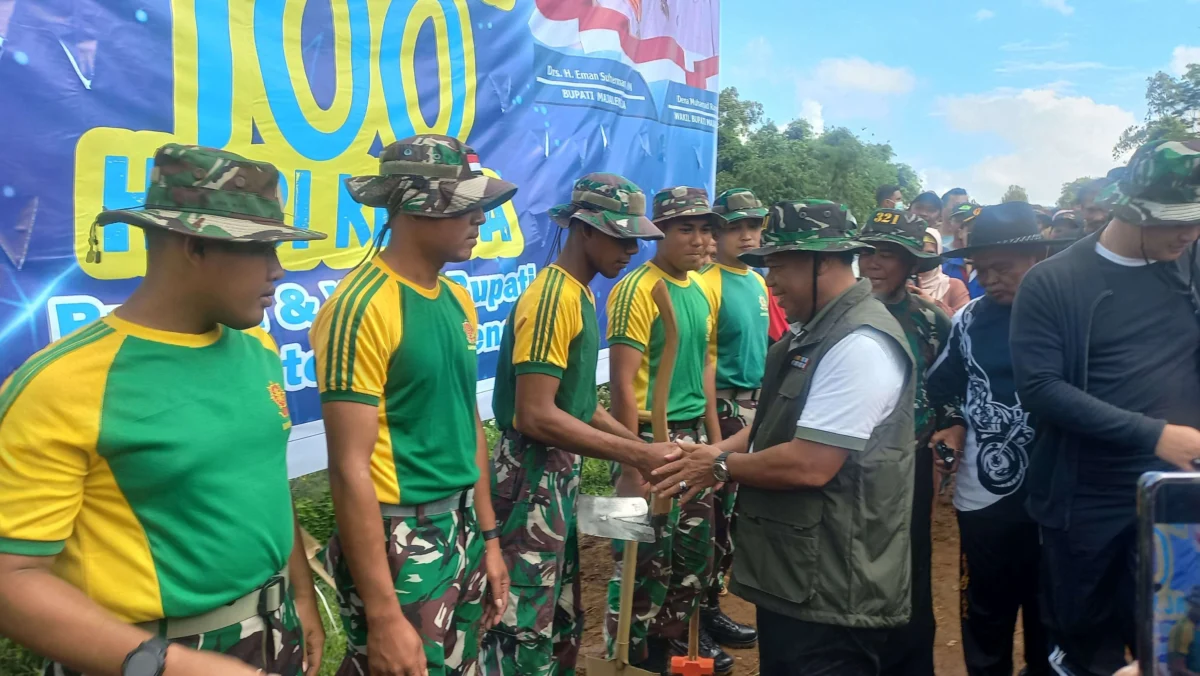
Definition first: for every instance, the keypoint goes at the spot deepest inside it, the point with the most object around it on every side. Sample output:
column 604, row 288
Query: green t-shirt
column 410, row 352
column 551, row 330
column 633, row 320
column 740, row 348
column 151, row 465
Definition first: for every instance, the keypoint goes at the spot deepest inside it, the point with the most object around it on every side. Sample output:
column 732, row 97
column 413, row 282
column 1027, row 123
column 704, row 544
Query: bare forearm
column 624, row 407
column 738, row 443
column 301, row 576
column 54, row 619
column 555, row 427
column 605, row 422
column 783, row 467
column 360, row 529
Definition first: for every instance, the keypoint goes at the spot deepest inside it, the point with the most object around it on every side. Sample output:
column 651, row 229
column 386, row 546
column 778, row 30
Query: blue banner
column 545, row 90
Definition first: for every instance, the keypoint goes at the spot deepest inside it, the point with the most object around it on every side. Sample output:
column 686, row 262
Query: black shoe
column 725, row 631
column 722, row 661
column 658, row 658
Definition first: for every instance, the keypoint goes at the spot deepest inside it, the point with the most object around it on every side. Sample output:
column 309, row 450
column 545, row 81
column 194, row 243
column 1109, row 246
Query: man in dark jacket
column 1106, row 353
column 999, row 542
column 827, row 570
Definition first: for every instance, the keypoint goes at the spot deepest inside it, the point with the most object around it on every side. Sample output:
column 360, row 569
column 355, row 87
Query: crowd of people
column 1045, row 359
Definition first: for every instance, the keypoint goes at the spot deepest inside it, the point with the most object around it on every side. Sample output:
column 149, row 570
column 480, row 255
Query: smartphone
column 1168, row 585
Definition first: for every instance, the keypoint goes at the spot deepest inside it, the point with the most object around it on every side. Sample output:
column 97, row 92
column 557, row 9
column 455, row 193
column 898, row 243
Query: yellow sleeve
column 463, row 294
column 267, row 340
column 631, row 311
column 1179, row 642
column 354, row 336
column 48, row 443
column 711, row 278
column 547, row 319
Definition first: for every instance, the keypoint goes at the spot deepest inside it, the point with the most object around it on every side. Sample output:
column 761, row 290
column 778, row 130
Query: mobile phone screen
column 1172, row 595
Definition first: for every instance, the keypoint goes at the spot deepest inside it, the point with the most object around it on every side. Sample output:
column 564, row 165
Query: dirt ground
column 596, row 565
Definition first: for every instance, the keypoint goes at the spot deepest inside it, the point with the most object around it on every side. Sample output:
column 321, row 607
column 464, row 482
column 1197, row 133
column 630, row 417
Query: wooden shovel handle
column 663, row 376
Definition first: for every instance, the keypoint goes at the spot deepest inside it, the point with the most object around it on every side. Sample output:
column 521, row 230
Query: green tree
column 1015, row 193
column 1172, row 111
column 752, row 152
column 1070, row 192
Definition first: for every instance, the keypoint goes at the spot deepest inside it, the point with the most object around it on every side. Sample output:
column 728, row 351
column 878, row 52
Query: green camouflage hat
column 965, row 212
column 205, row 192
column 1159, row 186
column 806, row 225
column 682, row 201
column 430, row 175
column 738, row 203
column 609, row 203
column 903, row 229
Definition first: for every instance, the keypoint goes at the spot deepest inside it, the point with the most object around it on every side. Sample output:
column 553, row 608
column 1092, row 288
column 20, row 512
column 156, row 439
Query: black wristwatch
column 491, row 534
column 148, row 659
column 720, row 469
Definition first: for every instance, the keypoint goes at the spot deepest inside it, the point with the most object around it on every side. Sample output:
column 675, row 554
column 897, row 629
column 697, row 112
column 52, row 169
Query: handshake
column 671, row 469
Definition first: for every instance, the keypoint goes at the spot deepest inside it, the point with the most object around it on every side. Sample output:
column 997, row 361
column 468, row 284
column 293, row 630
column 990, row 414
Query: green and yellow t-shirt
column 383, row 341
column 633, row 320
column 739, row 344
column 552, row 330
column 1184, row 641
column 151, row 465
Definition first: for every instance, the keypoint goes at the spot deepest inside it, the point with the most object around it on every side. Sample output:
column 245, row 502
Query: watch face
column 141, row 664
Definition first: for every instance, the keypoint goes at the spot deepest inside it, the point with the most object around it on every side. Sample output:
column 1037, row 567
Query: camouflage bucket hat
column 738, row 203
column 1159, row 186
column 682, row 201
column 902, row 229
column 205, row 192
column 430, row 175
column 609, row 203
column 806, row 225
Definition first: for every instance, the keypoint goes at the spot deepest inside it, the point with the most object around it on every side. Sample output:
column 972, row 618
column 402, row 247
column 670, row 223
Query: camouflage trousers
column 274, row 644
column 438, row 567
column 733, row 416
column 534, row 489
column 672, row 573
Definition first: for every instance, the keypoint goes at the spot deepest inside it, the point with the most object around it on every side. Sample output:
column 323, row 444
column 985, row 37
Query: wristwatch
column 148, row 659
column 720, row 469
column 491, row 534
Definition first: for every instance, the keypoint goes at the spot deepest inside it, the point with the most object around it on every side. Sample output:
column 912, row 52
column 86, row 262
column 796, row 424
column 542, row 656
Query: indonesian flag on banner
column 673, row 40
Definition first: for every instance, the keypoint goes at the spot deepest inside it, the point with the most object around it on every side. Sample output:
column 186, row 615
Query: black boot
column 658, row 658
column 725, row 631
column 722, row 661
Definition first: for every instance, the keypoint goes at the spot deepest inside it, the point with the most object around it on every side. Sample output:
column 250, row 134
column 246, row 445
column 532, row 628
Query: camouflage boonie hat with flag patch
column 210, row 193
column 736, row 204
column 430, row 175
column 903, row 229
column 682, row 201
column 806, row 225
column 609, row 203
column 1159, row 186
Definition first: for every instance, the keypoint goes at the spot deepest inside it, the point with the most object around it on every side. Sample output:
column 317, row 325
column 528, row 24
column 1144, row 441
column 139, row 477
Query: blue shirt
column 956, row 268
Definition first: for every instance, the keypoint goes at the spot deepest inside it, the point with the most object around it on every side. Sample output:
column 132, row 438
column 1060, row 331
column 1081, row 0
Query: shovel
column 628, row 519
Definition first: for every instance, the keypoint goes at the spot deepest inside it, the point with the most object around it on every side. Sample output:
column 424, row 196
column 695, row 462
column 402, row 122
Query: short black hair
column 929, row 198
column 1089, row 191
column 954, row 192
column 885, row 192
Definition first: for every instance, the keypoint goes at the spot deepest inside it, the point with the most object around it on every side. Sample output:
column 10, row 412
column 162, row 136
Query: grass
column 314, row 508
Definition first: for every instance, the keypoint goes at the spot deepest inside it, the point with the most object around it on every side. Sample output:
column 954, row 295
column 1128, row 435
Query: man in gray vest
column 827, row 469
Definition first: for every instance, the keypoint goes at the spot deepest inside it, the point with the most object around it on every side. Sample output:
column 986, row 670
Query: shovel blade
column 615, row 518
column 601, row 667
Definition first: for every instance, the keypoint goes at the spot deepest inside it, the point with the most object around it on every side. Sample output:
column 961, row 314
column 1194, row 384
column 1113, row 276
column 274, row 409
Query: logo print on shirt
column 280, row 398
column 762, row 305
column 469, row 329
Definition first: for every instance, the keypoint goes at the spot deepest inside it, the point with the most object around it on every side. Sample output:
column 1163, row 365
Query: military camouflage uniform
column 535, row 486
column 279, row 651
column 1158, row 186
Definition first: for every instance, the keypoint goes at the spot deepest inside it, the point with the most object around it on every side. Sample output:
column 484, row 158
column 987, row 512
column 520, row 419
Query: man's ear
column 195, row 249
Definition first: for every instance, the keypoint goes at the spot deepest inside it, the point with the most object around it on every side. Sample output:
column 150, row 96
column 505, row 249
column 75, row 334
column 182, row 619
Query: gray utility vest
column 838, row 554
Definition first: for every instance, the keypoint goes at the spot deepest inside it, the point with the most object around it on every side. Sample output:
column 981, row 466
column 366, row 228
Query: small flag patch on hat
column 473, row 163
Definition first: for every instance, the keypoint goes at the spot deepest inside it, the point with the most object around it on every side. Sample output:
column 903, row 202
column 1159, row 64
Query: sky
column 977, row 94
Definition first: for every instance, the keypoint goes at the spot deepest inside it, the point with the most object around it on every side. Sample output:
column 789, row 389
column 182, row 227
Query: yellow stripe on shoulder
column 464, row 297
column 95, row 341
column 261, row 334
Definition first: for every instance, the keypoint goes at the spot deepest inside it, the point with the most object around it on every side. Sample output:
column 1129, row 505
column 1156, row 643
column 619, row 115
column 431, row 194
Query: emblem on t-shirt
column 280, row 398
column 762, row 305
column 469, row 329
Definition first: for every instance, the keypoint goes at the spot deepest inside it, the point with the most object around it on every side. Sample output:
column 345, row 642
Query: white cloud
column 1059, row 6
column 858, row 74
column 1027, row 46
column 1182, row 56
column 984, row 15
column 1052, row 139
column 813, row 111
column 1028, row 66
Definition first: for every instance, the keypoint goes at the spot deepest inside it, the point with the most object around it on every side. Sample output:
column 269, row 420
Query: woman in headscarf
column 935, row 284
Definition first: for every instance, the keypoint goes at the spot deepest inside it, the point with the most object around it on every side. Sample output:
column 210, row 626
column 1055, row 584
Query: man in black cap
column 1066, row 224
column 1106, row 353
column 999, row 542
